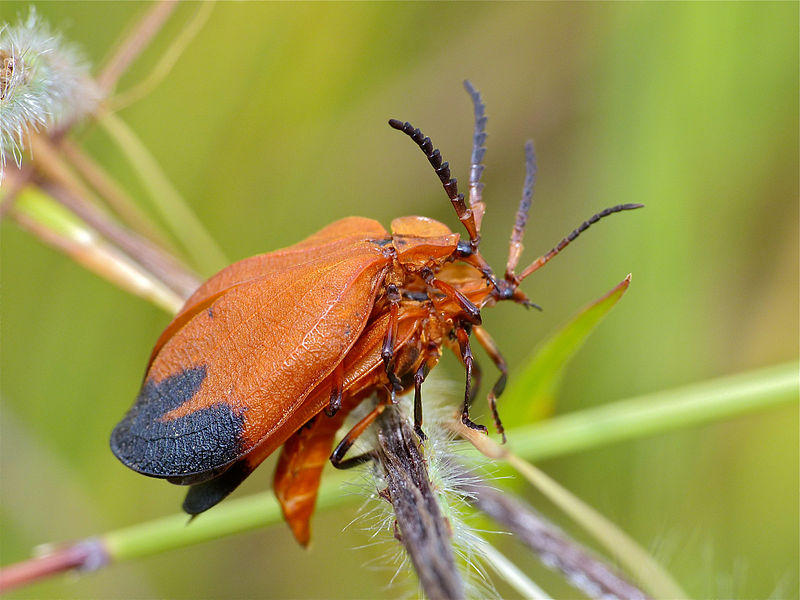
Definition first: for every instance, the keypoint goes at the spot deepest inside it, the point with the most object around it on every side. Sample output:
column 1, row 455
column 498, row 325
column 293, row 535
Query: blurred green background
column 273, row 124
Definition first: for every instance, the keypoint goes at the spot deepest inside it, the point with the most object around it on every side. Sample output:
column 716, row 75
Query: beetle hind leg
column 337, row 456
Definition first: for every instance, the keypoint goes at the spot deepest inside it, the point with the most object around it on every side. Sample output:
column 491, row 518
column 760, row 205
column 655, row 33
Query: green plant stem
column 643, row 416
column 230, row 518
column 656, row 413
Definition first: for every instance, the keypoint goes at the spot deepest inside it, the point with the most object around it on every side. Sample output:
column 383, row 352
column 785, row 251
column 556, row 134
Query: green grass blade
column 532, row 394
column 651, row 414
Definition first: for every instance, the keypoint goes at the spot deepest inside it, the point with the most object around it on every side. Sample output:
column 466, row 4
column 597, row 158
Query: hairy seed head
column 44, row 82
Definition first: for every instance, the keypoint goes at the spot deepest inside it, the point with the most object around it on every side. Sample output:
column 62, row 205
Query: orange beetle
column 264, row 347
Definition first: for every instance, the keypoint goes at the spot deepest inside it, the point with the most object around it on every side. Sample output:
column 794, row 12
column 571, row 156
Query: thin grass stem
column 112, row 193
column 181, row 220
column 56, row 226
column 135, row 43
column 167, row 61
column 651, row 414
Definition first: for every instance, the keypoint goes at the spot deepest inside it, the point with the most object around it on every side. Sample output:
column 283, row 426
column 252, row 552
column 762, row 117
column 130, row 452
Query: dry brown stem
column 557, row 550
column 86, row 555
column 135, row 43
column 154, row 260
column 421, row 526
column 112, row 193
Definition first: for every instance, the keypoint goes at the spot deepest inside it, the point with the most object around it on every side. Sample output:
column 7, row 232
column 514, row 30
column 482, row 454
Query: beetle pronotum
column 276, row 349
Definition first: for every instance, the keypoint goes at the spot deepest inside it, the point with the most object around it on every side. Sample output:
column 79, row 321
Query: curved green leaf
column 532, row 395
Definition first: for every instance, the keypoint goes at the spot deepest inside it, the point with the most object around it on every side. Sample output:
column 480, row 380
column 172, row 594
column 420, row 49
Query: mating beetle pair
column 276, row 349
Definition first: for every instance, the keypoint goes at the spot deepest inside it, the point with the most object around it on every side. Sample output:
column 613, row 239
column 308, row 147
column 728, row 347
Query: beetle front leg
column 485, row 340
column 469, row 310
column 466, row 355
column 387, row 351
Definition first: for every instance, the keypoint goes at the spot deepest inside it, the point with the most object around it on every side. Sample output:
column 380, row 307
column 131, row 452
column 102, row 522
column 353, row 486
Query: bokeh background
column 273, row 124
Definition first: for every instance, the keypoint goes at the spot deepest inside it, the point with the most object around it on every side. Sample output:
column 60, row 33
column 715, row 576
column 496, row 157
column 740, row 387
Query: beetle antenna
column 478, row 150
column 544, row 259
column 515, row 244
column 442, row 169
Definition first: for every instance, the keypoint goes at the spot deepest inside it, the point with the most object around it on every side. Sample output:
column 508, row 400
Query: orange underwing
column 276, row 349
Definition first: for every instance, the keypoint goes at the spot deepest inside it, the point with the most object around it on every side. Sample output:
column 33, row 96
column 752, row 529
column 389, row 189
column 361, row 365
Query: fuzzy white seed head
column 446, row 459
column 44, row 82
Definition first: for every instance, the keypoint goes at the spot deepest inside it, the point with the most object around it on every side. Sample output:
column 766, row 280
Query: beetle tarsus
column 469, row 423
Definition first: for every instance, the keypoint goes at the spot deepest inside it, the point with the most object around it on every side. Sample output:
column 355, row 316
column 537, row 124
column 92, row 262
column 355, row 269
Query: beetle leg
column 466, row 355
column 471, row 312
column 387, row 351
column 350, row 437
column 485, row 340
column 477, row 374
column 419, row 377
column 337, row 385
column 431, row 358
column 477, row 377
